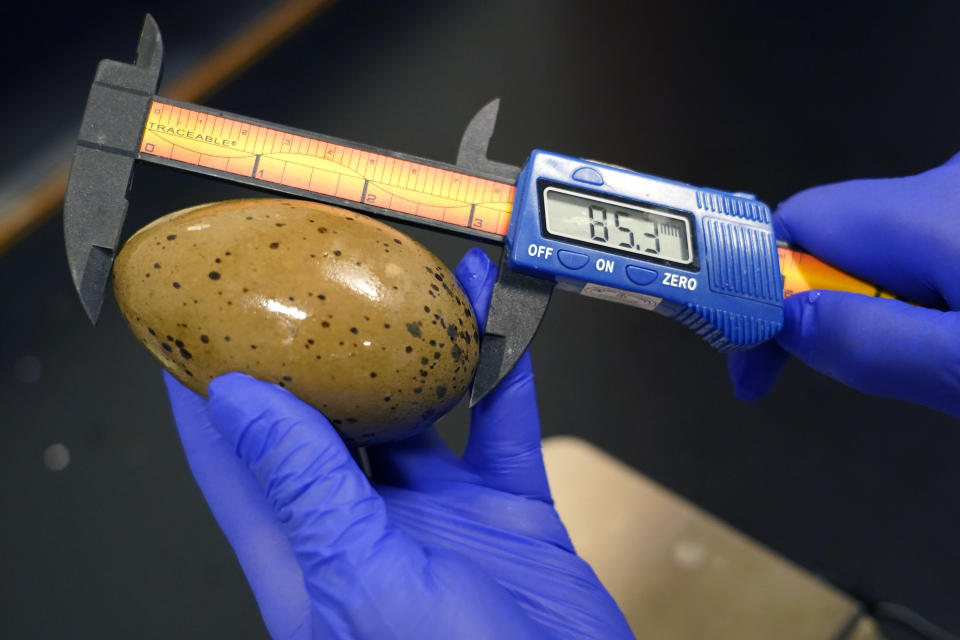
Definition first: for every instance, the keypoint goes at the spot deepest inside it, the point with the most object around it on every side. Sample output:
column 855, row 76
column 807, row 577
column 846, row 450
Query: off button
column 641, row 276
column 588, row 175
column 571, row 259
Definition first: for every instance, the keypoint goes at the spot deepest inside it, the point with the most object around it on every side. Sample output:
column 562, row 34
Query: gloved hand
column 438, row 546
column 902, row 234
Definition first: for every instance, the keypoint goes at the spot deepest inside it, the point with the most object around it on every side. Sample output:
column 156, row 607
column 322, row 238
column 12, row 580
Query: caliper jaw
column 519, row 301
column 102, row 169
column 517, row 307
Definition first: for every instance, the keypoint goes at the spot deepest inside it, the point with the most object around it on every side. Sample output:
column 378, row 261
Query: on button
column 571, row 259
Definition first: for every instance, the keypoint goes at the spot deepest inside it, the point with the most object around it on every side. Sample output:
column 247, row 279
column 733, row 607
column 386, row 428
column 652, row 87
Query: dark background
column 756, row 96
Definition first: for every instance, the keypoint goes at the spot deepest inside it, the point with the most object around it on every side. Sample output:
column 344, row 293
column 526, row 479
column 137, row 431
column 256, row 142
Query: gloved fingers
column 901, row 234
column 878, row 346
column 754, row 371
column 477, row 275
column 422, row 459
column 241, row 510
column 336, row 523
column 504, row 443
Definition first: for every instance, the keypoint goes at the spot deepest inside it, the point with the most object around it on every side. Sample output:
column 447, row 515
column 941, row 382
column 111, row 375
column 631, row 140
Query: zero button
column 641, row 276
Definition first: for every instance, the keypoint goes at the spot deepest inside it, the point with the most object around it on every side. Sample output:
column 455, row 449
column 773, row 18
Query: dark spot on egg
column 156, row 265
column 287, row 379
column 226, row 338
column 217, row 260
column 424, row 361
column 253, row 346
column 179, row 343
column 441, row 391
column 386, row 398
column 373, row 374
column 152, row 332
column 165, row 346
column 397, row 241
column 386, row 325
column 409, row 349
column 433, row 343
column 325, row 324
column 320, row 296
column 172, row 236
column 214, row 275
column 186, row 354
column 456, row 353
column 337, row 252
column 436, row 355
column 426, row 309
column 353, row 330
column 322, row 229
column 176, row 285
column 274, row 245
column 414, row 328
column 204, row 339
column 417, row 389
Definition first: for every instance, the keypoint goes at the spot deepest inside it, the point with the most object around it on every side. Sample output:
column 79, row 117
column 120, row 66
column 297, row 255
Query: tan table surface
column 677, row 572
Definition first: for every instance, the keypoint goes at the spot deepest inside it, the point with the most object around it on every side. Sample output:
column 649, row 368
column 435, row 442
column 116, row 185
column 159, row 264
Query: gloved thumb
column 336, row 523
column 878, row 346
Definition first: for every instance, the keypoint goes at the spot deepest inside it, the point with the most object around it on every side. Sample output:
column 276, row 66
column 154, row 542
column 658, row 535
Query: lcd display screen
column 612, row 224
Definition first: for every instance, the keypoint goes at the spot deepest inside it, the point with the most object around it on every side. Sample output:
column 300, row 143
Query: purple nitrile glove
column 902, row 234
column 438, row 546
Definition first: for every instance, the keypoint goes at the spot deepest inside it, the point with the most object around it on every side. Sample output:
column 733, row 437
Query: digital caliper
column 705, row 257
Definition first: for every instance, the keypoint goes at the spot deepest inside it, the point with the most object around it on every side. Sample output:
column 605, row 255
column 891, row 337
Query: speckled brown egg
column 352, row 316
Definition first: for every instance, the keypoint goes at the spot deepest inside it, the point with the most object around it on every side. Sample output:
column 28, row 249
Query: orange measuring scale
column 322, row 166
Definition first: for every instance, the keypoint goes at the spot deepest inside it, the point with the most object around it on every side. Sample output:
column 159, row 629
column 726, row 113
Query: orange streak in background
column 40, row 203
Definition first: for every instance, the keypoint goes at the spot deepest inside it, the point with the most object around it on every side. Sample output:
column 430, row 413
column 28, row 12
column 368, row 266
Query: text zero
column 681, row 282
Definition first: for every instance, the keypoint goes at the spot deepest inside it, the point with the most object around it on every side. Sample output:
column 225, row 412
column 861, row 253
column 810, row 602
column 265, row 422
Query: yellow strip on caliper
column 802, row 272
column 261, row 153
